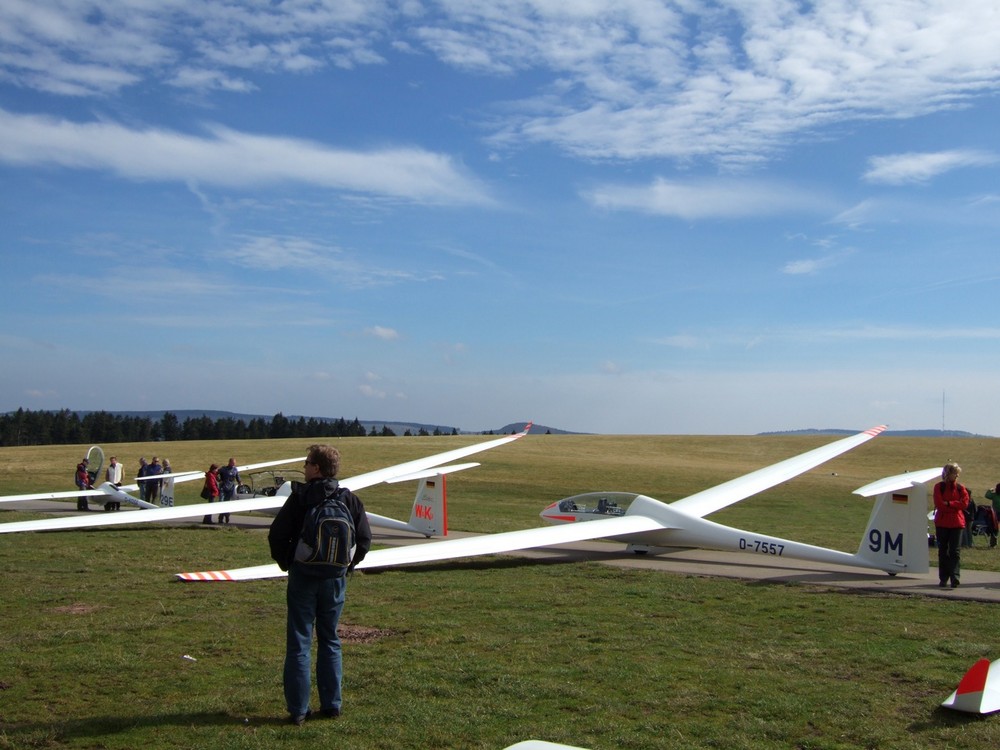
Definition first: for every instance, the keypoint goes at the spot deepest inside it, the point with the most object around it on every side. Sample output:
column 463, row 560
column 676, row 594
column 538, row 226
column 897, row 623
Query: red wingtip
column 975, row 679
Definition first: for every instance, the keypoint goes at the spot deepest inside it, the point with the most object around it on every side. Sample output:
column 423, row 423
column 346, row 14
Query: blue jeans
column 310, row 600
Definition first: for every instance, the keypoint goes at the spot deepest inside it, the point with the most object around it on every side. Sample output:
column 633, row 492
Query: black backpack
column 327, row 541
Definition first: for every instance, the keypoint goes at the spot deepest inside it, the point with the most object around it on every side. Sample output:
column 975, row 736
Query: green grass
column 484, row 653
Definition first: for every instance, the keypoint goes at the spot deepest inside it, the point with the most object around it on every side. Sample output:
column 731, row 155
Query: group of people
column 220, row 485
column 149, row 489
column 955, row 516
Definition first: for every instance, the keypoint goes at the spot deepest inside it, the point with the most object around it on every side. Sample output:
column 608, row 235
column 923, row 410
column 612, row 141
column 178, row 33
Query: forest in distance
column 65, row 427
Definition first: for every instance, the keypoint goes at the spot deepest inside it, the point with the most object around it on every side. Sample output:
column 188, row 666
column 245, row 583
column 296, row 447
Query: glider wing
column 378, row 476
column 723, row 495
column 471, row 546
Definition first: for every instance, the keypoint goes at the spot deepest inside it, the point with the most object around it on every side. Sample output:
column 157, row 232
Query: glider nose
column 555, row 514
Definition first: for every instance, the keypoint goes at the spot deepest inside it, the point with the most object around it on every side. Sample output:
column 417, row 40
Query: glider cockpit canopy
column 602, row 504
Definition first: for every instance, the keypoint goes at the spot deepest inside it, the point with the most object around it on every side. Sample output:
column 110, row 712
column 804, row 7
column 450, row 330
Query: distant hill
column 536, row 429
column 894, row 433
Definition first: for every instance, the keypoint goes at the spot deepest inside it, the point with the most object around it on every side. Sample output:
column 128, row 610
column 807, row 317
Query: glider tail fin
column 895, row 539
column 167, row 493
column 429, row 515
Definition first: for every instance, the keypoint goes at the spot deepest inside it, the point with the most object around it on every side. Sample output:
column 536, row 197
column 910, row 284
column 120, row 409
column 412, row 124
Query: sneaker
column 331, row 713
column 300, row 719
column 954, row 583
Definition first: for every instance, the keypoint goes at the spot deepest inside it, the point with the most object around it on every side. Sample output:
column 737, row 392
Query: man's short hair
column 326, row 458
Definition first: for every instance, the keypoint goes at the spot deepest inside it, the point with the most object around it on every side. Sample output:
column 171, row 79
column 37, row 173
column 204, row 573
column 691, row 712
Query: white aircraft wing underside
column 177, row 476
column 434, row 471
column 472, row 546
column 898, row 482
column 141, row 516
column 96, row 492
column 378, row 476
column 723, row 495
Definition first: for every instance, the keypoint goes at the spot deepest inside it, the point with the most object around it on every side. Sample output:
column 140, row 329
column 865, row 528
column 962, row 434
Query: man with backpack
column 320, row 534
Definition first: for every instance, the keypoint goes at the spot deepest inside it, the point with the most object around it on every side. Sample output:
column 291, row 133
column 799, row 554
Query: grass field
column 485, row 653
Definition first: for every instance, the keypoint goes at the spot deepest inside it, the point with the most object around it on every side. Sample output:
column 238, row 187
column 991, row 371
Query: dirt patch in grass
column 362, row 634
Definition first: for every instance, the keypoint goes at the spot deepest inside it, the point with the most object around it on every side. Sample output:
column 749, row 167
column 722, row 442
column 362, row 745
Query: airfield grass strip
column 484, row 653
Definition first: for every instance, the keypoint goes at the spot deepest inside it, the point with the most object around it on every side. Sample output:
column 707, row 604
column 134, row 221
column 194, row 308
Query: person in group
column 113, row 474
column 313, row 599
column 970, row 520
column 167, row 486
column 83, row 482
column 994, row 497
column 143, row 468
column 229, row 478
column 950, row 501
column 153, row 486
column 210, row 491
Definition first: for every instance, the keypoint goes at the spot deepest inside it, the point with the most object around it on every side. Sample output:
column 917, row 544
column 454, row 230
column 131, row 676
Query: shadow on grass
column 946, row 717
column 482, row 563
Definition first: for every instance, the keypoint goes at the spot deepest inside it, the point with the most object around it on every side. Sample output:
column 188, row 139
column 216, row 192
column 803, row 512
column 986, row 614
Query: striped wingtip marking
column 877, row 430
column 208, row 575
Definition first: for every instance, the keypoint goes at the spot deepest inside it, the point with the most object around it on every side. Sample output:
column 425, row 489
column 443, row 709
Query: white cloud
column 234, row 159
column 752, row 76
column 811, row 266
column 900, row 169
column 381, row 332
column 305, row 255
column 731, row 82
column 205, row 79
column 699, row 199
column 123, row 43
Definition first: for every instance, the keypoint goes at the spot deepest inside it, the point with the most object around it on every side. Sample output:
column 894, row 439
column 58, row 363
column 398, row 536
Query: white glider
column 979, row 690
column 416, row 469
column 895, row 540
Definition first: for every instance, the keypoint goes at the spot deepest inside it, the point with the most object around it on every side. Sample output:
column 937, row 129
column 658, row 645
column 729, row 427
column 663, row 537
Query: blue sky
column 613, row 216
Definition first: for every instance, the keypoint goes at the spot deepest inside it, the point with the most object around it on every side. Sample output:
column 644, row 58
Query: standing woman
column 210, row 491
column 950, row 501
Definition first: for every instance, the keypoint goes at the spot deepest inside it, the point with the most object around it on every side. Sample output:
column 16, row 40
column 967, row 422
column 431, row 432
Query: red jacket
column 950, row 500
column 211, row 484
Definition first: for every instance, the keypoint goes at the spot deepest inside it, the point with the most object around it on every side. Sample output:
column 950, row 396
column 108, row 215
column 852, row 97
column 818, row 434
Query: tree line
column 65, row 427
